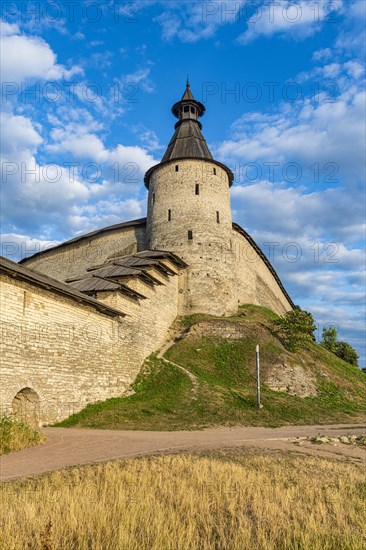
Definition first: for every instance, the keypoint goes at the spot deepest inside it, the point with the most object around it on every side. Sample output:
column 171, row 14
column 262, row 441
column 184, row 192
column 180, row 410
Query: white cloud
column 355, row 69
column 148, row 137
column 18, row 134
column 324, row 54
column 123, row 154
column 298, row 20
column 193, row 21
column 58, row 200
column 15, row 246
column 328, row 132
column 287, row 214
column 140, row 79
column 24, row 57
column 8, row 29
column 80, row 146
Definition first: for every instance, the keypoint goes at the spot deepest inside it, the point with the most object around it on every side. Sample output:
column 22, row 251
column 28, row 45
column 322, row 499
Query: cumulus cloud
column 29, row 57
column 140, row 79
column 193, row 21
column 327, row 133
column 352, row 38
column 287, row 214
column 18, row 134
column 15, row 246
column 297, row 20
column 63, row 200
column 148, row 137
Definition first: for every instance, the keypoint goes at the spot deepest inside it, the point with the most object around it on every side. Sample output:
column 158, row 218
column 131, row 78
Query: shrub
column 295, row 329
column 329, row 339
column 346, row 352
column 343, row 350
column 16, row 435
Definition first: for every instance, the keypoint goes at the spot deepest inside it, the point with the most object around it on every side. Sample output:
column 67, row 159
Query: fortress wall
column 68, row 352
column 73, row 259
column 255, row 282
column 209, row 285
column 148, row 321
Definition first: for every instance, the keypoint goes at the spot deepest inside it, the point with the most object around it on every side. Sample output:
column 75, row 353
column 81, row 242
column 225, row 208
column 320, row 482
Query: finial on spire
column 188, row 108
column 187, row 92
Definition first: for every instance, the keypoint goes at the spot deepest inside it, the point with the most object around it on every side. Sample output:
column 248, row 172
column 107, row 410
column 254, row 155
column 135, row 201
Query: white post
column 258, row 378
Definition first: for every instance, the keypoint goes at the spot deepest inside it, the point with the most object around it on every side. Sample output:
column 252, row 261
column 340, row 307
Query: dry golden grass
column 16, row 435
column 229, row 500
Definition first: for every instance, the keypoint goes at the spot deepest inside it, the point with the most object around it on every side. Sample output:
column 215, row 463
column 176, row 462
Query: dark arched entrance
column 26, row 406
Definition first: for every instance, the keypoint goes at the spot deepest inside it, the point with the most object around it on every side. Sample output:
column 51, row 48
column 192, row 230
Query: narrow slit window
column 169, row 215
column 153, row 198
column 197, row 188
column 193, row 110
column 190, row 235
column 218, row 216
column 177, row 167
column 186, row 109
column 214, row 171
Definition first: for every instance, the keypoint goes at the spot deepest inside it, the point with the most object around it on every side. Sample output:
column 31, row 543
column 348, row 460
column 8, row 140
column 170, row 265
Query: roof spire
column 187, row 141
column 187, row 92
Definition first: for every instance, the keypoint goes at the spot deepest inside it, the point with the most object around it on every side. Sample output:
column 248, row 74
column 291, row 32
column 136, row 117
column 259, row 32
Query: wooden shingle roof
column 19, row 272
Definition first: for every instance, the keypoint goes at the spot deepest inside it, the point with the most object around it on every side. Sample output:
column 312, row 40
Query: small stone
column 321, row 439
column 344, row 439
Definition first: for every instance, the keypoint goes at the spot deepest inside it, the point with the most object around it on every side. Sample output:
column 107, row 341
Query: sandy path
column 71, row 446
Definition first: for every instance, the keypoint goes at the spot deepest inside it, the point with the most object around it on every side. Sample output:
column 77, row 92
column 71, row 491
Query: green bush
column 343, row 350
column 295, row 329
column 16, row 435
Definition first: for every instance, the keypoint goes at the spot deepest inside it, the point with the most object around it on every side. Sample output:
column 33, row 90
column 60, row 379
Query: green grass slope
column 224, row 389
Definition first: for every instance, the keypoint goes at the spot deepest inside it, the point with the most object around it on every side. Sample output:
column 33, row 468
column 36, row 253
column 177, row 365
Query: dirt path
column 191, row 376
column 71, row 446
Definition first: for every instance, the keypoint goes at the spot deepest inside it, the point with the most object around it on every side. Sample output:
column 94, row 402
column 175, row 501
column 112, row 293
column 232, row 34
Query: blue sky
column 86, row 97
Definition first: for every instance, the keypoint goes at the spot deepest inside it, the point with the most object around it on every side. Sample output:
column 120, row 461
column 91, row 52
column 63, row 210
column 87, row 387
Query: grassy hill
column 206, row 379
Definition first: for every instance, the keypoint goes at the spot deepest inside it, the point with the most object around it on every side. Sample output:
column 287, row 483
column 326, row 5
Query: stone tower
column 189, row 213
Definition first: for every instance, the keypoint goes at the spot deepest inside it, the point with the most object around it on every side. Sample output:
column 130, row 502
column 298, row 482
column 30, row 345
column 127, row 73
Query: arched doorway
column 26, row 406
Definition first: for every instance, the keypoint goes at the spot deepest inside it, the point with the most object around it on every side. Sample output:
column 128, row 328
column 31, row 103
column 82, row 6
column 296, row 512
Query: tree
column 295, row 328
column 329, row 339
column 343, row 350
column 346, row 352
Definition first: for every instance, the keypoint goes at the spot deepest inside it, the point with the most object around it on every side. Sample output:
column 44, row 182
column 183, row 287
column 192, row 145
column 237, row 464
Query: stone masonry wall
column 71, row 354
column 174, row 209
column 255, row 283
column 73, row 259
column 148, row 321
